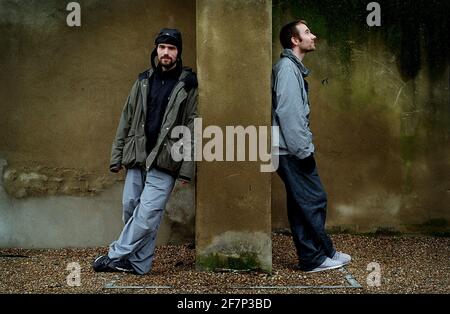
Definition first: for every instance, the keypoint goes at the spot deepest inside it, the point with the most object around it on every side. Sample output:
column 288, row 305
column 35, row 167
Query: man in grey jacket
column 162, row 98
column 306, row 198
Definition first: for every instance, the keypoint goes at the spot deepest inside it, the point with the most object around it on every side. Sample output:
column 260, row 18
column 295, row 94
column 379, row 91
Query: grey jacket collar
column 288, row 53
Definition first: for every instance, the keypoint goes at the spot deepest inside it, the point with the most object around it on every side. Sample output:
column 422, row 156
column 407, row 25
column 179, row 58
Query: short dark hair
column 288, row 31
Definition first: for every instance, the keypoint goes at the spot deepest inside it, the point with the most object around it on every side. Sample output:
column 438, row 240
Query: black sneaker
column 105, row 264
column 101, row 264
column 122, row 266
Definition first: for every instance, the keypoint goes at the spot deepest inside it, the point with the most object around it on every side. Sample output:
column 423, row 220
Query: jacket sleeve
column 291, row 112
column 124, row 126
column 187, row 170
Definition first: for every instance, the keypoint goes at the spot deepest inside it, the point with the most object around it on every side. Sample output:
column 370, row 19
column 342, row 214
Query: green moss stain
column 436, row 227
column 341, row 229
column 432, row 227
column 405, row 26
column 353, row 230
column 244, row 261
column 386, row 231
column 237, row 250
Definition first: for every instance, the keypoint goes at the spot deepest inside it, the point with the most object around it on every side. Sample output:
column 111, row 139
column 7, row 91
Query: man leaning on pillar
column 163, row 97
column 306, row 197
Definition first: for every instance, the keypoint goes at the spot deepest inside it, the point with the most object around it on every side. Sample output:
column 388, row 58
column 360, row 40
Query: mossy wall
column 380, row 113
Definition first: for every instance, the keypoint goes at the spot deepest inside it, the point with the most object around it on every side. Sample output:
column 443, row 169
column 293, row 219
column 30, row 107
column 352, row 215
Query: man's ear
column 295, row 41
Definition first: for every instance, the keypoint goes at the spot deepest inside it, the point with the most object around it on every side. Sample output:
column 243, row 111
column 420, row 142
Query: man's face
column 307, row 43
column 167, row 55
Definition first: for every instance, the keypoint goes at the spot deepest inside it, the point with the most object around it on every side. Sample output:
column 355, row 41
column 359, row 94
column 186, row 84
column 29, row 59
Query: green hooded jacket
column 128, row 148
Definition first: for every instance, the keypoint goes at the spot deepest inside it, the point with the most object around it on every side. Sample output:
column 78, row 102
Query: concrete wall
column 61, row 93
column 380, row 114
column 233, row 198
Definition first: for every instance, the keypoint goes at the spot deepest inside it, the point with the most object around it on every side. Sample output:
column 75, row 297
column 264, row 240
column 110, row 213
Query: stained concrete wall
column 380, row 114
column 61, row 93
column 233, row 198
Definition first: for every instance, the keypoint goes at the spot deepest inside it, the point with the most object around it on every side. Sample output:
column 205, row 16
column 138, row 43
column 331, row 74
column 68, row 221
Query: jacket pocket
column 165, row 160
column 141, row 153
column 129, row 152
column 134, row 153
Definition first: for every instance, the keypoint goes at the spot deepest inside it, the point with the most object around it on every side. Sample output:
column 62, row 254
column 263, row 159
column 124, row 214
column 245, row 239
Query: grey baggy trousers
column 143, row 207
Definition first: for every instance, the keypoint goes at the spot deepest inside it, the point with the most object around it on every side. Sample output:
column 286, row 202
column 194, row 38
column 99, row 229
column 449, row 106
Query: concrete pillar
column 233, row 216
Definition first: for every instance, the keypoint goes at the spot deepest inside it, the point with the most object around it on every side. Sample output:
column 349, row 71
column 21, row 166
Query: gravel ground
column 407, row 265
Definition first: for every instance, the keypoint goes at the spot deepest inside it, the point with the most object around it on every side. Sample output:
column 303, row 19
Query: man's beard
column 168, row 65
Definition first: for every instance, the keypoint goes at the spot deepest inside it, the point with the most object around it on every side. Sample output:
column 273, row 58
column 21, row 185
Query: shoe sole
column 323, row 269
column 98, row 258
column 124, row 270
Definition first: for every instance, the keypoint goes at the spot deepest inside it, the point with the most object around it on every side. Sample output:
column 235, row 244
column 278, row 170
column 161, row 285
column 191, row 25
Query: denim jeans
column 306, row 206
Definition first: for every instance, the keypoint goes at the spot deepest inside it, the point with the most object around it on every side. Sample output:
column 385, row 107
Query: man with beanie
column 163, row 97
column 306, row 198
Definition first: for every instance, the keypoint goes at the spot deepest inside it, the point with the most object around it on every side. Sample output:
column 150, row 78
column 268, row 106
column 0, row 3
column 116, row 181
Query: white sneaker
column 340, row 256
column 327, row 264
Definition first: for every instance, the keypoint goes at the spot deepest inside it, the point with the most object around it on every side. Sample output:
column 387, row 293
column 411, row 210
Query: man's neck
column 299, row 54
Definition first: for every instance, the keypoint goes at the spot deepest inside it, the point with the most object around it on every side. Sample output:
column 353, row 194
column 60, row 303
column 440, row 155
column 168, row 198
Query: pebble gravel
column 381, row 264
